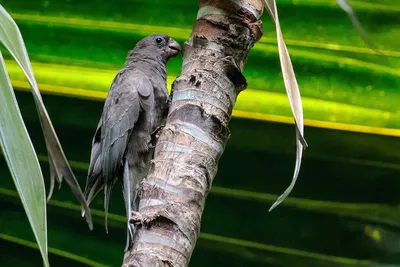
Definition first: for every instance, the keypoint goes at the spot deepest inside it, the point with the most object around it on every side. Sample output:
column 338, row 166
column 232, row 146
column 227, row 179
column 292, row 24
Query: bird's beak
column 173, row 48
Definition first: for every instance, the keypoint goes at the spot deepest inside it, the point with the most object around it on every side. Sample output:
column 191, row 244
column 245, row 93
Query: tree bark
column 193, row 140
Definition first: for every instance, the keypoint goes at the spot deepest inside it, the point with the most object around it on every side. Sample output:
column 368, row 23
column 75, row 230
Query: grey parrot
column 135, row 109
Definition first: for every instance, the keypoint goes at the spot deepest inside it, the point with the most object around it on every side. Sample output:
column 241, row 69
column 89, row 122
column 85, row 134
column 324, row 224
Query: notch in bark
column 193, row 140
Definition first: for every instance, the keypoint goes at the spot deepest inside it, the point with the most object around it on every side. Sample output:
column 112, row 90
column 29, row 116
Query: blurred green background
column 344, row 210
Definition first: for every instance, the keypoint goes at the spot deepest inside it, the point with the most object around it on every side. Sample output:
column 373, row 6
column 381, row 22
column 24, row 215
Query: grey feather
column 127, row 197
column 135, row 106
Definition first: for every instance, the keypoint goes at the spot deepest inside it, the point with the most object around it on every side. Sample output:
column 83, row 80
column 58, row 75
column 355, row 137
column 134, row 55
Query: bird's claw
column 168, row 104
column 154, row 136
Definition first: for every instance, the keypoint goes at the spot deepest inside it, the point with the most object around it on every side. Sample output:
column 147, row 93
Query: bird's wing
column 130, row 94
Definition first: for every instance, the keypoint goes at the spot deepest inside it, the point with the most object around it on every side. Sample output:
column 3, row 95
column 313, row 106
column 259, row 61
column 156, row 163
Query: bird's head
column 158, row 45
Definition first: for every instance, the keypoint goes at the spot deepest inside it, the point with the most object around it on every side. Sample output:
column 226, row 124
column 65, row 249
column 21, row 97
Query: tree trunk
column 188, row 150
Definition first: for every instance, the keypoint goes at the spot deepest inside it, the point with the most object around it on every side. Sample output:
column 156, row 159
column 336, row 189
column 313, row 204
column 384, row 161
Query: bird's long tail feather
column 127, row 197
column 107, row 194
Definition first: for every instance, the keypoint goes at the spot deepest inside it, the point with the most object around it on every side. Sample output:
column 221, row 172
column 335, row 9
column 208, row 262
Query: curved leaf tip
column 293, row 92
column 343, row 4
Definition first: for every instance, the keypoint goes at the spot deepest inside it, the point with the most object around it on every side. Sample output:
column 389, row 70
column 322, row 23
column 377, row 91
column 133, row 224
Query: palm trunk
column 196, row 132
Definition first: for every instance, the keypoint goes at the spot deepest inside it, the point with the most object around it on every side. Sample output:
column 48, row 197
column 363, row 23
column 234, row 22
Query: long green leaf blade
column 22, row 161
column 60, row 169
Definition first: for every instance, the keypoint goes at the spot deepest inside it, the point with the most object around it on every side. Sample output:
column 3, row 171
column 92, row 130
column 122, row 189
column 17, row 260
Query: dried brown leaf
column 293, row 92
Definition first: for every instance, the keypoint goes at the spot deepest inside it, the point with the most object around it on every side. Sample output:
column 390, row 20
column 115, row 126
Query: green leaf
column 11, row 37
column 22, row 161
column 349, row 178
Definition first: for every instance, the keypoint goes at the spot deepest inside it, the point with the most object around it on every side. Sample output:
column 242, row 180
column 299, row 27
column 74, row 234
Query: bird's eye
column 158, row 40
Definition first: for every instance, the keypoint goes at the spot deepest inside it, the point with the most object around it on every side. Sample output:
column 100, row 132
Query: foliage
column 343, row 211
column 15, row 142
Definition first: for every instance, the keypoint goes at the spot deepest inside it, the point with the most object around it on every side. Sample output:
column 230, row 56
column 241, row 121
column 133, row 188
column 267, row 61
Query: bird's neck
column 153, row 63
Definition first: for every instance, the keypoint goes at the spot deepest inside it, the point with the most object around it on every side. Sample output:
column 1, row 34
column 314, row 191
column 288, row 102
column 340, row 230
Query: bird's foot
column 154, row 136
column 168, row 104
column 136, row 217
